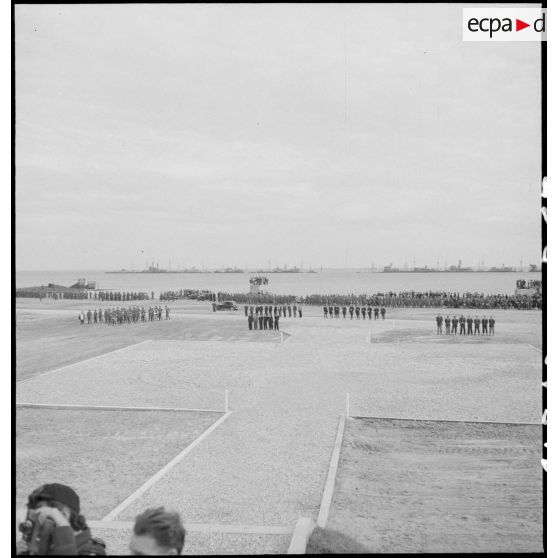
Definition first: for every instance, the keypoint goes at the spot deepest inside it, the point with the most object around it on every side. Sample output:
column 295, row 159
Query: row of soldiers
column 358, row 311
column 49, row 293
column 270, row 310
column 266, row 321
column 83, row 294
column 452, row 323
column 122, row 296
column 119, row 316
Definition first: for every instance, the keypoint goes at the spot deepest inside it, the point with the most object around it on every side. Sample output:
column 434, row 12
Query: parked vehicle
column 226, row 305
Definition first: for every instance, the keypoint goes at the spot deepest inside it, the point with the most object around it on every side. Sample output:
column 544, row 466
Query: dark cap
column 61, row 493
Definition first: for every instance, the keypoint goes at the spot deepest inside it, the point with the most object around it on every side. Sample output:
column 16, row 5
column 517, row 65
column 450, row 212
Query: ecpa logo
column 504, row 24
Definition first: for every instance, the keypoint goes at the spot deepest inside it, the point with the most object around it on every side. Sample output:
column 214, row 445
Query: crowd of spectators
column 429, row 299
column 405, row 299
column 391, row 299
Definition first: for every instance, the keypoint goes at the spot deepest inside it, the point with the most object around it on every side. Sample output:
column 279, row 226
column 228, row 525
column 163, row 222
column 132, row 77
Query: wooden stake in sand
column 347, row 407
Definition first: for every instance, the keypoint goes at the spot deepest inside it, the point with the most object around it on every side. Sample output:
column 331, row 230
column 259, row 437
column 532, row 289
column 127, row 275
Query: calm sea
column 298, row 284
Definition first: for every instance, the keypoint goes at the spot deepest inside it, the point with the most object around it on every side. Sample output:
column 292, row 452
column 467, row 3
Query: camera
column 36, row 534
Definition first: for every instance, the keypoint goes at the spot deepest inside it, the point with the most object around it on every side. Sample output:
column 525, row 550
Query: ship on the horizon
column 156, row 269
column 502, row 268
column 390, row 269
column 426, row 269
column 285, row 269
column 459, row 268
column 229, row 270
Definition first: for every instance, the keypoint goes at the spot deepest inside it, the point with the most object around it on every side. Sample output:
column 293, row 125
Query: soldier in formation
column 439, row 322
column 267, row 317
column 470, row 322
column 359, row 312
column 454, row 323
column 462, row 323
column 123, row 315
column 477, row 325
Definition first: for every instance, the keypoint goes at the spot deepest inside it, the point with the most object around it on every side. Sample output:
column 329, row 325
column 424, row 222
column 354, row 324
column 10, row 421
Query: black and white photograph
column 279, row 278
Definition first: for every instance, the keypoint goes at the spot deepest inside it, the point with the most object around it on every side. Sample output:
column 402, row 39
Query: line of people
column 63, row 293
column 124, row 296
column 260, row 322
column 466, row 325
column 357, row 311
column 291, row 310
column 119, row 316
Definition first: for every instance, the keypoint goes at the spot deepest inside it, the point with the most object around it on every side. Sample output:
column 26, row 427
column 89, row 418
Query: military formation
column 121, row 296
column 357, row 312
column 120, row 316
column 467, row 325
column 268, row 316
column 63, row 293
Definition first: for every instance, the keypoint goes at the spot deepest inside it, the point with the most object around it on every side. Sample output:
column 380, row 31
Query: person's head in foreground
column 157, row 532
column 54, row 525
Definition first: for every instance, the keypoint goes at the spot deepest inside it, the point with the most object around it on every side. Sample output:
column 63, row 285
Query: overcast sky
column 241, row 134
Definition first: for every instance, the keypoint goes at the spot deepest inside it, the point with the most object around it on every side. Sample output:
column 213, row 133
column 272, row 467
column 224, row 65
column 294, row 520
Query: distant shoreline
column 215, row 271
column 122, row 272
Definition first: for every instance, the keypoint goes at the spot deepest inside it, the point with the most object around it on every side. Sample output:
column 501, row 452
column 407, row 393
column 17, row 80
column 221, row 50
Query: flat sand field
column 267, row 463
column 411, row 486
column 48, row 334
column 96, row 452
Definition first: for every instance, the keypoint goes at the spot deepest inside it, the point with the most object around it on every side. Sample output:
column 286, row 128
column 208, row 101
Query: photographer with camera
column 54, row 526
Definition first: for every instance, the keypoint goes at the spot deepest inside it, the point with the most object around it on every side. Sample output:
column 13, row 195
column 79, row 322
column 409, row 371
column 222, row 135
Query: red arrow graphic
column 519, row 25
